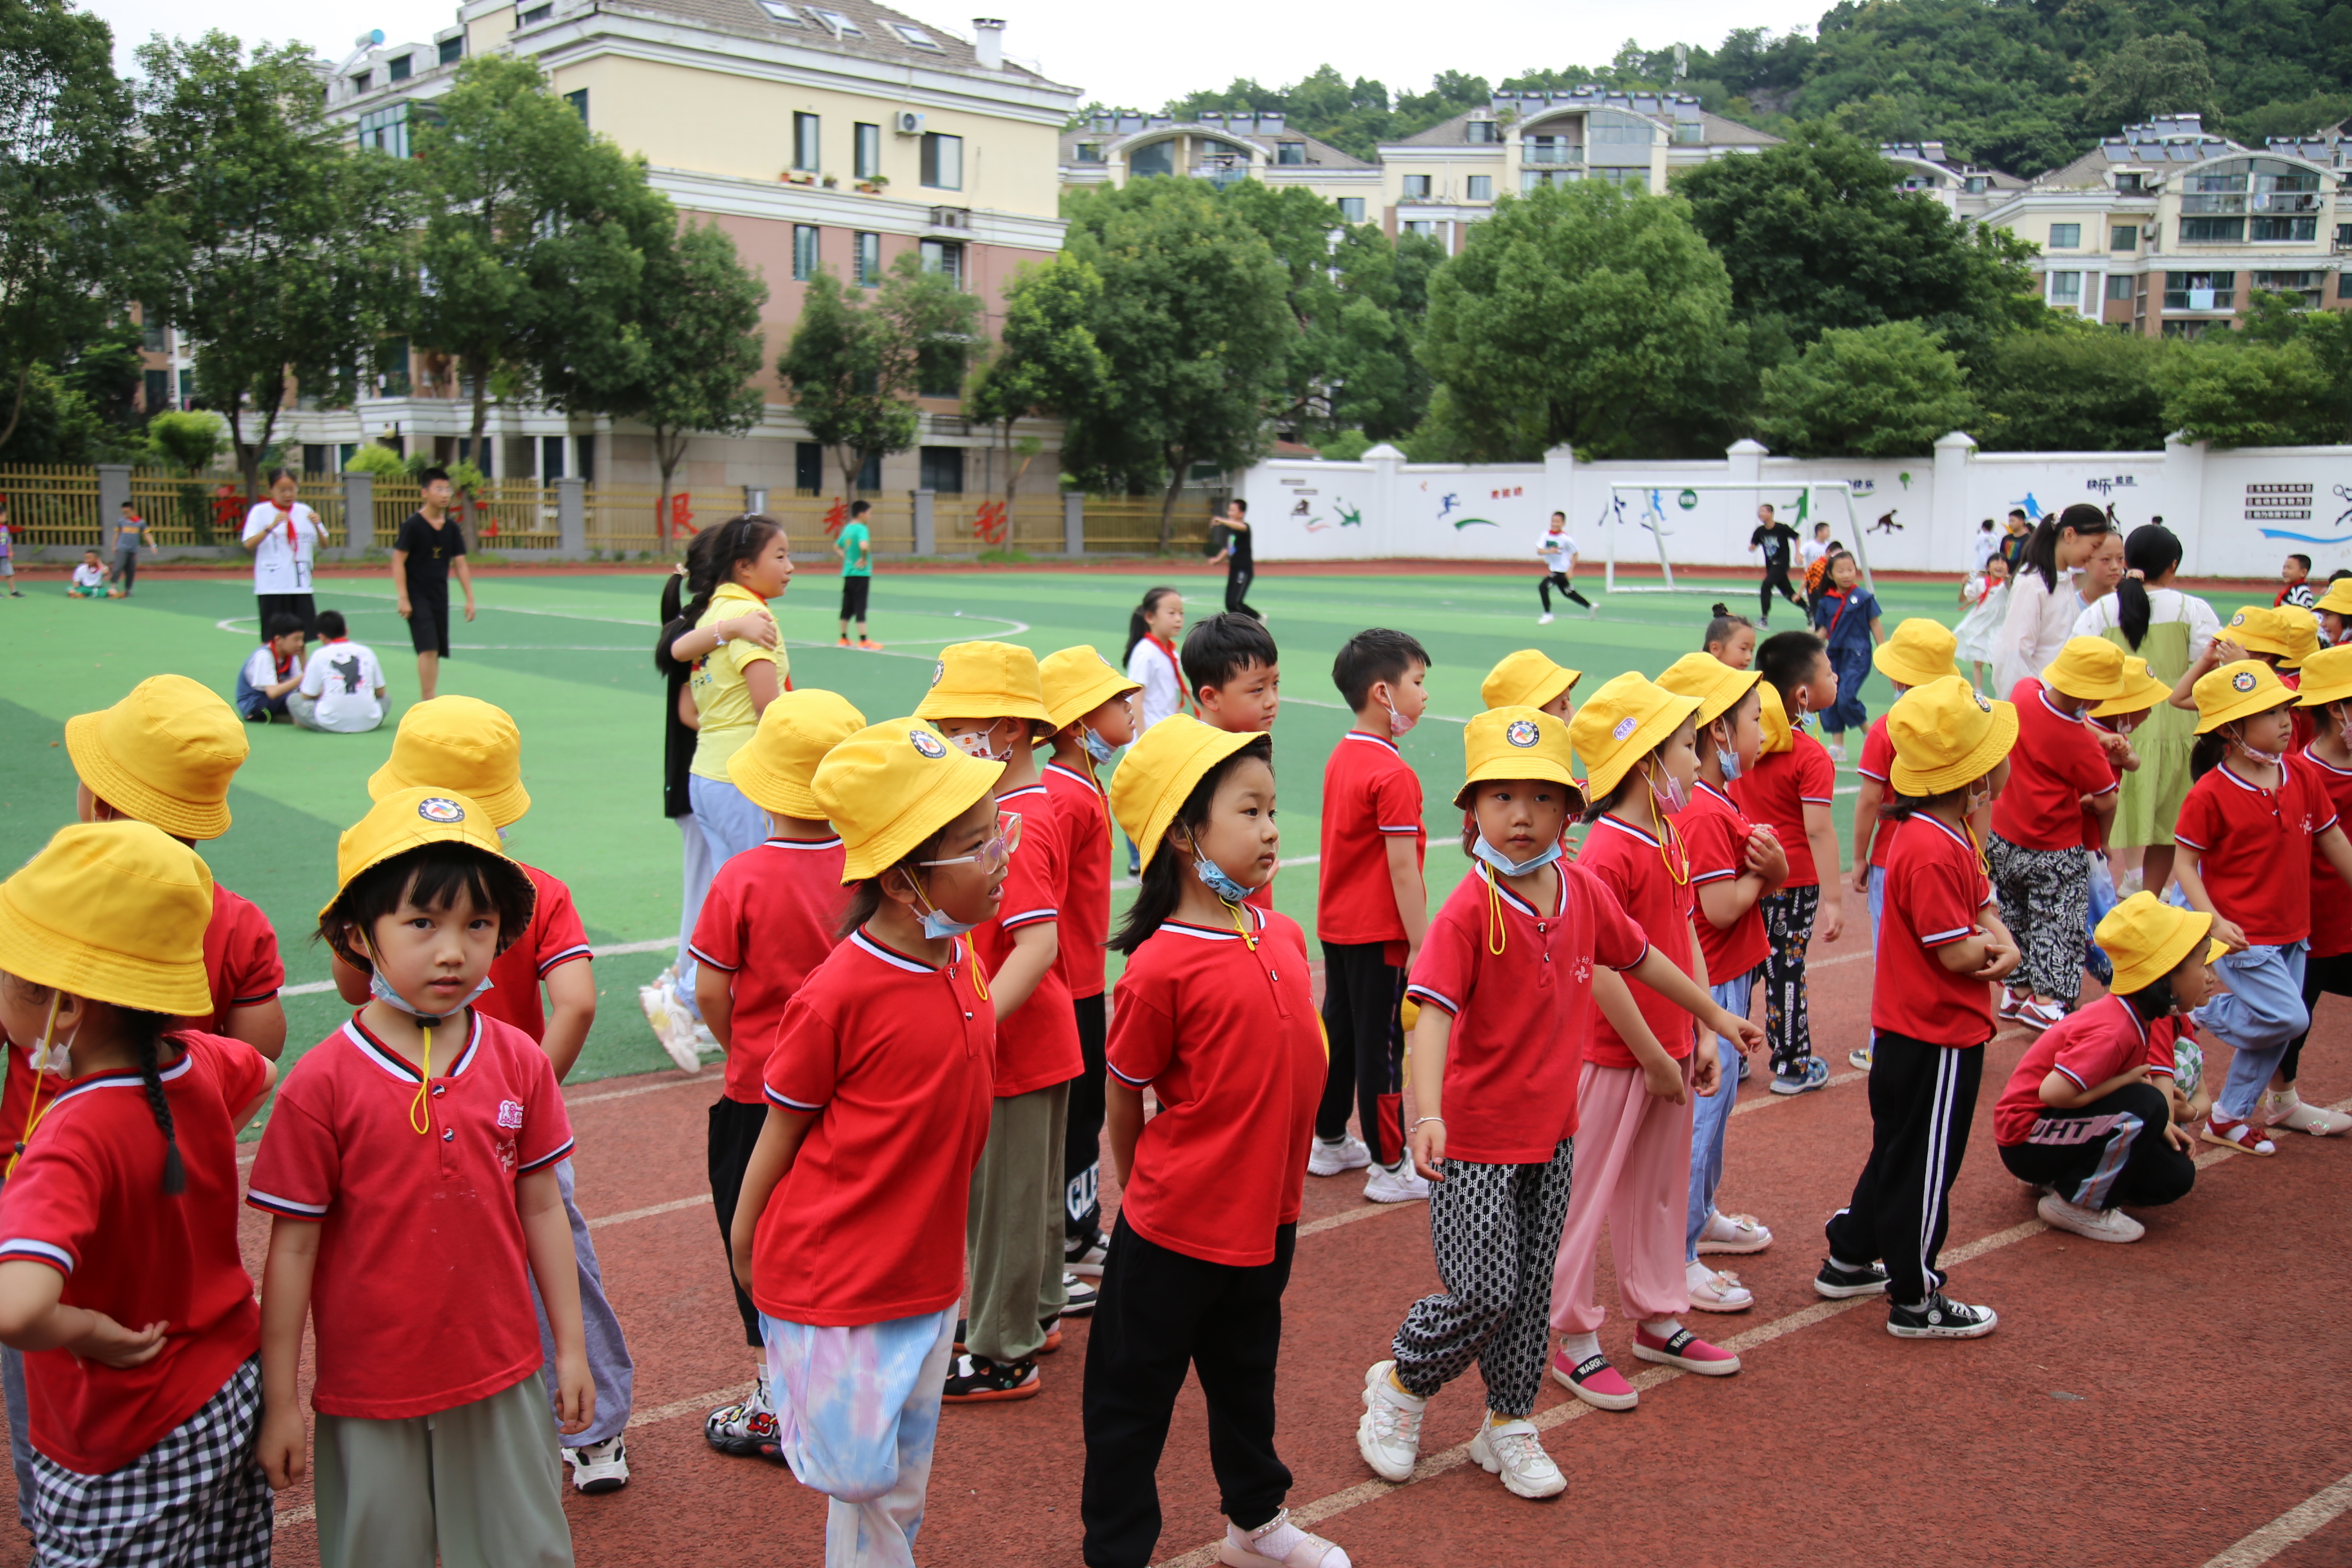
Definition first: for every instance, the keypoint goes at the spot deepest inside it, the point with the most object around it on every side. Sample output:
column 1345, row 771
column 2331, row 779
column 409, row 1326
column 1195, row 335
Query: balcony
column 1222, row 174
column 1534, row 153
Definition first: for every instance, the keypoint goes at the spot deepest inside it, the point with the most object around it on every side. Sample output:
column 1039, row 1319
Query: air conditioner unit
column 908, row 122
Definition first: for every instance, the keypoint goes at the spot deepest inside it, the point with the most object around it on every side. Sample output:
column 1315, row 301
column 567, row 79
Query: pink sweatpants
column 1632, row 1170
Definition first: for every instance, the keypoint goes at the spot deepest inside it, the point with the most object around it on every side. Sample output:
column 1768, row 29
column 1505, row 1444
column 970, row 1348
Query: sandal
column 1733, row 1233
column 1713, row 1291
column 2243, row 1136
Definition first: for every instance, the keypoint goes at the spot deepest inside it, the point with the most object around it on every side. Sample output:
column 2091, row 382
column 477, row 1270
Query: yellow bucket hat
column 984, row 681
column 1528, row 678
column 1159, row 773
column 2239, row 690
column 1619, row 724
column 1717, row 685
column 115, row 911
column 1918, row 651
column 1514, row 742
column 410, row 819
column 163, row 755
column 1076, row 681
column 2141, row 692
column 891, row 786
column 2086, row 668
column 1780, row 735
column 2146, row 939
column 1945, row 735
column 2326, row 677
column 2337, row 600
column 2255, row 629
column 774, row 767
column 2300, row 628
column 458, row 745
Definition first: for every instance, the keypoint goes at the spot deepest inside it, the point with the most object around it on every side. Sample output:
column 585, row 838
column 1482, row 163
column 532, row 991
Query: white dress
column 1982, row 623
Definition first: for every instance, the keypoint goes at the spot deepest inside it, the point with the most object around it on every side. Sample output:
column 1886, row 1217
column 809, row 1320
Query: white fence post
column 1948, row 506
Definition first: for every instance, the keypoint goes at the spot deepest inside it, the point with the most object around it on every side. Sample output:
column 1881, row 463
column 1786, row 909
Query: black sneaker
column 1838, row 1283
column 1078, row 1296
column 975, row 1380
column 1940, row 1318
column 1083, row 1255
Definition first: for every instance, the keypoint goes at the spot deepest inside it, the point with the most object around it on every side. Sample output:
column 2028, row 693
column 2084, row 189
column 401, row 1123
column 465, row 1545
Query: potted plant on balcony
column 830, row 182
column 874, row 184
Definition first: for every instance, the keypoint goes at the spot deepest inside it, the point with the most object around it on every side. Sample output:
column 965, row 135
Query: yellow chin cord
column 419, row 1116
column 1667, row 837
column 1498, row 937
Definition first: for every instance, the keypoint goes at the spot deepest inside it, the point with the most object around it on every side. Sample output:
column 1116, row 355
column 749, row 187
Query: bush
column 373, row 458
column 188, row 441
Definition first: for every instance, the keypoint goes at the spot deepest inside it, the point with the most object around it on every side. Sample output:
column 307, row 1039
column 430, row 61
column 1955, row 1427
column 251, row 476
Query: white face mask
column 975, row 744
column 2268, row 759
column 935, row 925
column 1508, row 866
column 1100, row 750
column 50, row 1055
column 381, row 989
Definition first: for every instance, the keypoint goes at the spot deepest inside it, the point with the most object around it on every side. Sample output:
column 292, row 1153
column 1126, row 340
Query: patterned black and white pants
column 1788, row 1020
column 2045, row 900
column 197, row 1497
column 1495, row 1230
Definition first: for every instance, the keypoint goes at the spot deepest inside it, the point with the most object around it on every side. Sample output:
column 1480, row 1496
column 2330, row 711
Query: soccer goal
column 1644, row 506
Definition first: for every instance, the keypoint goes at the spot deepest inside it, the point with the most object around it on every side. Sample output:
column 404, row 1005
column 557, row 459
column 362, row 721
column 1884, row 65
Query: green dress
column 2149, row 801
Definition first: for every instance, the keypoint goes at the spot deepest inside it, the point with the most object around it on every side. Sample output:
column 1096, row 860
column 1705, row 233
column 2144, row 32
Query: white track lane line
column 2320, row 1508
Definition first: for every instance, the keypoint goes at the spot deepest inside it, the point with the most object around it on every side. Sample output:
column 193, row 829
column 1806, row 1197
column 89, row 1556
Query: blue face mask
column 1100, row 750
column 938, row 926
column 1507, row 867
column 1212, row 875
column 1726, row 756
column 381, row 989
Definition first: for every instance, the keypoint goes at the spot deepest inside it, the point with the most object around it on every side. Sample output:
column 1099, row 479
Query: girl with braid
column 120, row 1276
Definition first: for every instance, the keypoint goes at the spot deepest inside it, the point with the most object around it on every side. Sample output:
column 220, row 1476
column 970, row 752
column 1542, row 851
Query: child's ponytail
column 1139, row 625
column 2150, row 553
column 148, row 1028
column 711, row 559
column 1720, row 627
column 2206, row 754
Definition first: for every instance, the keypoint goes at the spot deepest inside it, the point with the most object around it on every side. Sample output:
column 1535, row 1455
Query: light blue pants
column 608, row 1352
column 728, row 824
column 698, row 871
column 1712, row 1117
column 857, row 1412
column 2259, row 1015
column 1877, row 904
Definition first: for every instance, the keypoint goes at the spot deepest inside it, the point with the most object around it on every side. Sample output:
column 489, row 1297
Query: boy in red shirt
column 1236, row 677
column 1093, row 709
column 1930, row 1012
column 120, row 1276
column 1371, row 912
column 770, row 917
column 416, row 1204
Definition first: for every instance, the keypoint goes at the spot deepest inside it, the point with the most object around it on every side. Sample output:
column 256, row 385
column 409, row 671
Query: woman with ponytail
column 2043, row 604
column 2148, row 617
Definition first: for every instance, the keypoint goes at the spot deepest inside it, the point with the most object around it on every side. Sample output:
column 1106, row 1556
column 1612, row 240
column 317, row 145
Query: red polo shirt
column 1522, row 1017
column 554, row 937
column 1716, row 836
column 88, row 1200
column 1226, row 1037
column 2254, row 849
column 768, row 921
column 1628, row 862
column 1776, row 791
column 240, row 957
column 1037, row 1046
column 1877, row 763
column 1370, row 795
column 2090, row 1047
column 2056, row 761
column 1084, row 821
column 2331, row 909
column 896, row 1060
column 1936, row 895
column 422, row 1300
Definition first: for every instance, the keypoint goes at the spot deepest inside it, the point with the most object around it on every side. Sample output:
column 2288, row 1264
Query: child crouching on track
column 2081, row 1120
column 1941, row 942
column 1214, row 1015
column 878, row 1087
column 120, row 1276
column 409, row 1164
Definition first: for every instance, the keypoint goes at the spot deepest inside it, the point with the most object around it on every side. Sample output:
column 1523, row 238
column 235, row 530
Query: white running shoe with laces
column 1389, row 1433
column 1512, row 1450
column 1277, row 1543
column 1397, row 1184
column 2091, row 1225
column 600, row 1467
column 1335, row 1156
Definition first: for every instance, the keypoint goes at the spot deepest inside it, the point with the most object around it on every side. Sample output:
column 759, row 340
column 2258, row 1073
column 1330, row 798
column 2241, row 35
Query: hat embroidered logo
column 927, row 743
column 1522, row 732
column 1625, row 727
column 2242, row 681
column 437, row 809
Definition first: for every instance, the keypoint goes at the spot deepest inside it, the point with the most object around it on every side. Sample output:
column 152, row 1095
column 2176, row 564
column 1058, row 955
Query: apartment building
column 2169, row 228
column 839, row 135
column 1967, row 190
column 1113, row 148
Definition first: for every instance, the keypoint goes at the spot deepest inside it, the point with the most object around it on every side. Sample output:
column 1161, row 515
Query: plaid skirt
column 197, row 1498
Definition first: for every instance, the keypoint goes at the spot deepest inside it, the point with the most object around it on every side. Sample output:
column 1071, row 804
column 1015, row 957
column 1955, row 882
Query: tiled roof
column 1262, row 131
column 881, row 33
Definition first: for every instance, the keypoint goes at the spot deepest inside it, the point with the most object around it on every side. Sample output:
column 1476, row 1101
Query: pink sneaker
column 1686, row 1351
column 1595, row 1382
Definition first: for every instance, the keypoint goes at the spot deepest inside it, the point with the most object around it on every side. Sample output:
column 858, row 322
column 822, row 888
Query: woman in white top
column 1152, row 628
column 2043, row 604
column 283, row 536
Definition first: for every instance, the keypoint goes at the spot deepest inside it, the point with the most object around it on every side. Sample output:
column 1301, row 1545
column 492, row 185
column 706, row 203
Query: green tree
column 188, row 440
column 1195, row 329
column 2083, row 389
column 702, row 347
column 855, row 369
column 1886, row 391
column 1580, row 316
column 2236, row 392
column 2170, row 74
column 1047, row 360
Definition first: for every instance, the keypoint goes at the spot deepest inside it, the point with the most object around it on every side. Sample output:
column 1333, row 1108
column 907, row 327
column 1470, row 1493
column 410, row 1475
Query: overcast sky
column 1143, row 58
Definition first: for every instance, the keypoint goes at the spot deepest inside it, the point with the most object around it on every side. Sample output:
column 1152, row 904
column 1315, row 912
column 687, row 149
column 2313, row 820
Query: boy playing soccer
column 1236, row 675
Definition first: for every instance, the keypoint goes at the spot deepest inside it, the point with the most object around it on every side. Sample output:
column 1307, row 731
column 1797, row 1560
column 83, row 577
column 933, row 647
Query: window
column 2344, row 285
column 1550, row 150
column 1536, row 179
column 152, row 332
column 1482, row 132
column 1621, row 135
column 869, row 254
column 779, row 12
column 1425, row 227
column 2131, row 185
column 159, row 391
column 400, row 68
column 945, row 258
column 579, row 102
column 868, row 151
column 385, row 130
column 2120, row 286
column 2123, row 237
column 942, row 161
column 2343, row 237
column 1975, row 184
column 2200, row 291
column 550, row 458
column 362, row 80
column 536, row 15
column 1482, row 187
column 187, row 389
column 942, row 470
column 2304, row 285
column 1634, row 176
column 1689, row 131
column 805, row 143
column 453, row 49
column 314, row 459
column 804, row 262
column 842, row 26
column 1290, row 154
column 916, row 37
column 2065, row 236
column 1090, row 153
column 1158, row 158
column 808, row 468
column 2066, row 288
column 1352, row 210
column 2275, row 229
column 1416, row 187
column 2211, row 230
column 391, row 368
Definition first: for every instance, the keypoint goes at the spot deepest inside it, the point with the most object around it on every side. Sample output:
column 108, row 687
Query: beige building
column 1221, row 149
column 1967, row 190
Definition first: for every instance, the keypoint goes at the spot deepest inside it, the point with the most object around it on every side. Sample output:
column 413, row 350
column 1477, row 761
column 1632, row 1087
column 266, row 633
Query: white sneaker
column 1713, row 1291
column 1389, row 1434
column 1513, row 1451
column 671, row 1025
column 1333, row 1156
column 2284, row 1108
column 600, row 1467
column 1398, row 1183
column 1239, row 1549
column 2091, row 1225
column 1544, row 619
column 1592, row 611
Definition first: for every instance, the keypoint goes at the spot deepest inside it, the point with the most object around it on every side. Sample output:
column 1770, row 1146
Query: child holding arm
column 1790, row 792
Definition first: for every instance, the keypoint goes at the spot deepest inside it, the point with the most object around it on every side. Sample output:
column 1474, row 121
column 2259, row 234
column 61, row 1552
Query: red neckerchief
column 1844, row 600
column 288, row 509
column 1165, row 647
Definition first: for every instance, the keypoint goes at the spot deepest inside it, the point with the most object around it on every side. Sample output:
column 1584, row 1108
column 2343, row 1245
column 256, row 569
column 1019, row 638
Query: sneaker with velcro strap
column 1332, row 1156
column 1084, row 1255
column 1512, row 1450
column 1940, row 1318
column 747, row 1428
column 976, row 1380
column 1837, row 1282
column 599, row 1468
column 1812, row 1073
column 1388, row 1435
column 1078, row 1296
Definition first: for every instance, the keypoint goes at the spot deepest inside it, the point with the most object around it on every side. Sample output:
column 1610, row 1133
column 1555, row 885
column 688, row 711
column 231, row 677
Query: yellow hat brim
column 1554, row 684
column 2143, row 970
column 1980, row 759
column 392, row 844
column 2260, row 699
column 1727, row 695
column 40, row 956
column 1604, row 774
column 1889, row 661
column 1077, row 705
column 2134, row 699
column 130, row 795
column 1515, row 768
column 1147, row 828
column 2320, row 696
column 951, row 794
column 2337, row 600
column 769, row 790
column 505, row 806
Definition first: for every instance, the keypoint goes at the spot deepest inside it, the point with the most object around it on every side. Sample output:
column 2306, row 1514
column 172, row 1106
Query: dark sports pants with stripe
column 1921, row 1099
column 1362, row 991
column 2106, row 1155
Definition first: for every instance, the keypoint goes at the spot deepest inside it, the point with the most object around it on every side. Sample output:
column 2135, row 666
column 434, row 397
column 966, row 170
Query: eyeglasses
column 996, row 851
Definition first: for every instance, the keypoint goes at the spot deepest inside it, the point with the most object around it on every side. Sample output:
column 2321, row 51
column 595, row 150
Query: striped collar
column 2231, row 773
column 896, row 960
column 1210, row 933
column 123, row 1078
column 2315, row 759
column 1729, row 804
column 1940, row 825
column 2055, row 710
column 831, row 843
column 1038, row 788
column 1621, row 826
column 1559, row 890
column 394, row 1066
column 1073, row 776
column 2140, row 1025
column 1388, row 746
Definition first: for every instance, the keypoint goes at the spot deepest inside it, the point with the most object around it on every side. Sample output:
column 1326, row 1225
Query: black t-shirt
column 1242, row 559
column 678, row 741
column 429, row 550
column 1776, row 539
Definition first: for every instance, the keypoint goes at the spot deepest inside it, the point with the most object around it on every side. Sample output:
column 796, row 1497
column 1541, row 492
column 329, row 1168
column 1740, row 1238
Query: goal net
column 1637, row 522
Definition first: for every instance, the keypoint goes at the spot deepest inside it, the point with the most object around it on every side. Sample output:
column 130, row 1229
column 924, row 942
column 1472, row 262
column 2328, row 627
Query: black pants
column 734, row 1133
column 2106, row 1154
column 2329, row 976
column 428, row 617
column 1362, row 995
column 1161, row 1312
column 301, row 607
column 1237, row 582
column 1550, row 580
column 1777, row 576
column 126, row 570
column 1921, row 1097
column 853, row 592
column 1082, row 1138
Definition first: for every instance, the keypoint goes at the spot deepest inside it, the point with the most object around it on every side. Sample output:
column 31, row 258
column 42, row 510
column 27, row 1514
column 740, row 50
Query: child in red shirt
column 771, row 915
column 1370, row 910
column 1941, row 941
column 1092, row 709
column 1214, row 1015
column 120, row 1278
column 409, row 1164
column 2327, row 694
column 1531, row 678
column 879, row 1089
column 1236, row 677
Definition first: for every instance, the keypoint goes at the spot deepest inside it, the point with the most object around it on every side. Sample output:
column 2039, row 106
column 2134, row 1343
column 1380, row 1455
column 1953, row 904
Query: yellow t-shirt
column 720, row 697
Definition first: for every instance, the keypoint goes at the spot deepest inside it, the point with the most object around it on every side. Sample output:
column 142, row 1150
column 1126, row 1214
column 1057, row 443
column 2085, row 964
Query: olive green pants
column 1012, row 1231
column 480, row 1486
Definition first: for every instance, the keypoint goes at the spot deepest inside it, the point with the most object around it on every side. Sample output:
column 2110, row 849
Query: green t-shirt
column 856, row 552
